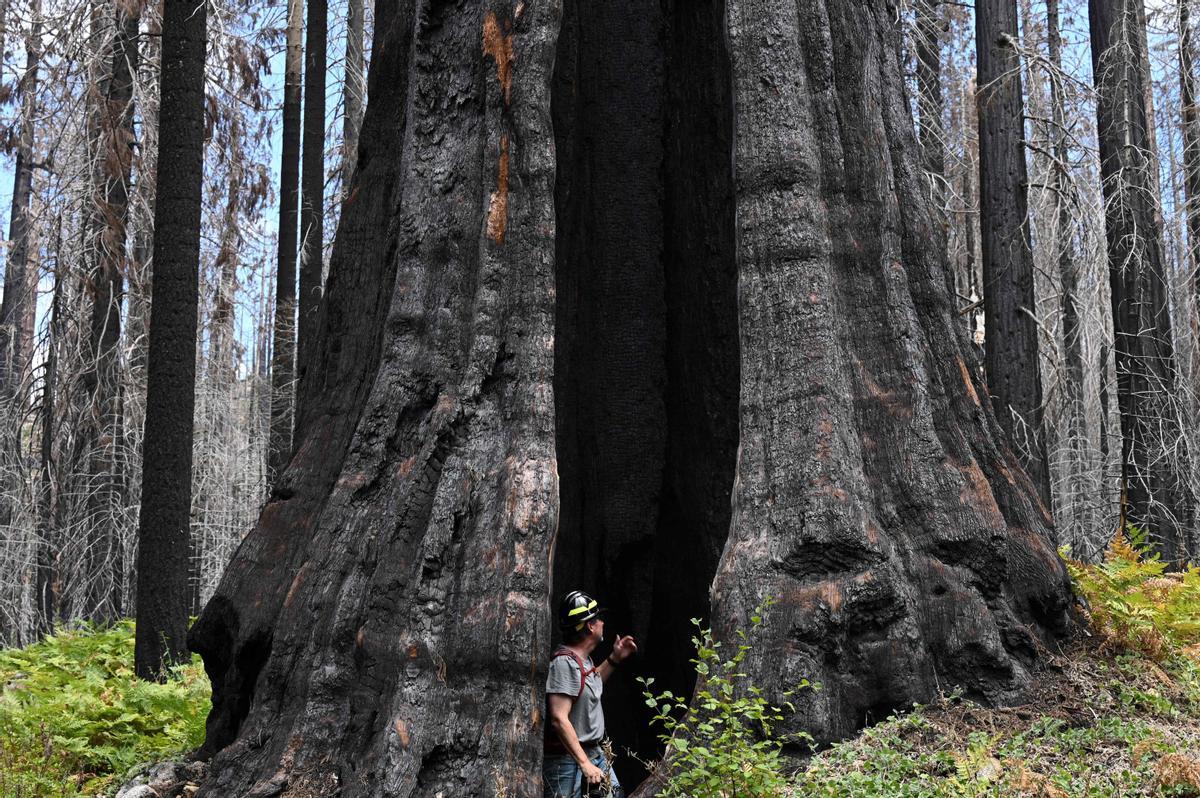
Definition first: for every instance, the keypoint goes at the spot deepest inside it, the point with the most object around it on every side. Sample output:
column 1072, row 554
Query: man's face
column 596, row 627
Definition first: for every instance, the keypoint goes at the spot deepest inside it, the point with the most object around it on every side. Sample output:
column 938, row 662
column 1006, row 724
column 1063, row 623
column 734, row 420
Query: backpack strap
column 584, row 673
column 552, row 744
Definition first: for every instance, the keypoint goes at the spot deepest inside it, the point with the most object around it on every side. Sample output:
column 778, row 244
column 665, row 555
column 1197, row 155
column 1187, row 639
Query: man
column 574, row 717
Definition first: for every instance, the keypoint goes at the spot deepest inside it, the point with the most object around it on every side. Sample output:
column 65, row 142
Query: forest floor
column 1095, row 726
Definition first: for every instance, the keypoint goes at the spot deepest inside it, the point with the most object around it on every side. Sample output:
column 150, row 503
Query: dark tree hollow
column 646, row 350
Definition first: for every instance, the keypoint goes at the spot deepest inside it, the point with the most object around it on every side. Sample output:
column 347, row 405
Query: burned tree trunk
column 407, row 545
column 1011, row 348
column 1154, row 493
column 383, row 630
column 929, row 30
column 113, row 139
column 283, row 337
column 163, row 523
column 1075, row 513
column 312, row 182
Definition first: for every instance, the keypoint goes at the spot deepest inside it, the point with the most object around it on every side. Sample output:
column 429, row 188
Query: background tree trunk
column 17, row 305
column 353, row 91
column 1154, row 485
column 103, row 438
column 384, row 629
column 1011, row 346
column 162, row 565
column 929, row 30
column 1071, row 304
column 283, row 348
column 312, row 210
column 1190, row 114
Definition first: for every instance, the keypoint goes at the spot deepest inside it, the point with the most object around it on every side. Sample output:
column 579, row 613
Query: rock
column 170, row 779
column 138, row 791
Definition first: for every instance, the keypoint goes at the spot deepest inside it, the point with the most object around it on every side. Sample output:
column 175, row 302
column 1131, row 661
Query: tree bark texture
column 409, row 540
column 283, row 346
column 102, row 439
column 1154, row 492
column 1010, row 346
column 312, row 196
column 499, row 286
column 162, row 565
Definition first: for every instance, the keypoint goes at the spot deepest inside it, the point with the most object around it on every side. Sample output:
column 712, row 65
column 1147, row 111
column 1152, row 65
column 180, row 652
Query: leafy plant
column 1135, row 605
column 73, row 717
column 724, row 743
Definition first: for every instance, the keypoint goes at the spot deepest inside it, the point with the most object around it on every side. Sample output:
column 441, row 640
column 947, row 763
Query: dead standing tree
column 382, row 630
column 1154, row 484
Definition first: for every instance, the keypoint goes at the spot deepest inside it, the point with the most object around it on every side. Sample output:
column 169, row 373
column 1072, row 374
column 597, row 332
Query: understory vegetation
column 74, row 720
column 1117, row 716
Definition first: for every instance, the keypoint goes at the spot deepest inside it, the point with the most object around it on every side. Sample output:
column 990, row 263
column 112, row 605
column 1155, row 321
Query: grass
column 74, row 720
column 1097, row 726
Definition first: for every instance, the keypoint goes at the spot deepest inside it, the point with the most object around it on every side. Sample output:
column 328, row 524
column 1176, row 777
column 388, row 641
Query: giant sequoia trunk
column 572, row 350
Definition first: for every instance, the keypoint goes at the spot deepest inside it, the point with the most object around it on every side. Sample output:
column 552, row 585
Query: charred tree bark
column 646, row 360
column 383, row 629
column 283, row 346
column 1154, row 492
column 408, row 541
column 162, row 564
column 103, row 437
column 312, row 197
column 17, row 305
column 1010, row 347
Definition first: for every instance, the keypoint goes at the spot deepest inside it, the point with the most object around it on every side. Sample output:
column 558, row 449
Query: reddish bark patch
column 296, row 583
column 401, row 731
column 966, row 375
column 498, row 209
column 499, row 47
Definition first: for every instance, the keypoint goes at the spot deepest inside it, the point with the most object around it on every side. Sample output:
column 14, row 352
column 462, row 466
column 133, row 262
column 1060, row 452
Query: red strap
column 552, row 743
column 584, row 673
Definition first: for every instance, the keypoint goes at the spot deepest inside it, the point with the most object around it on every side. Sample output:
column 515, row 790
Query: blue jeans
column 563, row 778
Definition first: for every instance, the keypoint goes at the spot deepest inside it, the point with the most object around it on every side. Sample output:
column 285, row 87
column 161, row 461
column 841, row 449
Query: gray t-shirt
column 587, row 717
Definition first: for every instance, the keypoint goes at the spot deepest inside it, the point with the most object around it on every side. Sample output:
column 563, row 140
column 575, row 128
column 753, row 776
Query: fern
column 74, row 718
column 1135, row 604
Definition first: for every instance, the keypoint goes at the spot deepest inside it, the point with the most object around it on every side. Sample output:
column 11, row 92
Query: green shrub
column 1135, row 605
column 73, row 718
column 724, row 743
